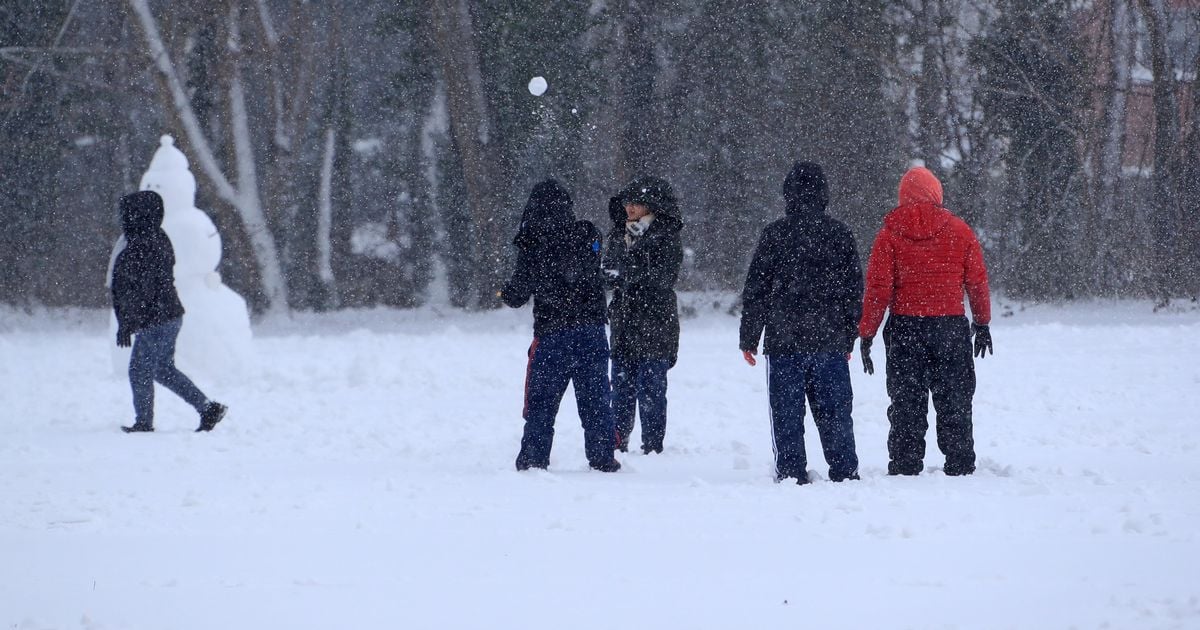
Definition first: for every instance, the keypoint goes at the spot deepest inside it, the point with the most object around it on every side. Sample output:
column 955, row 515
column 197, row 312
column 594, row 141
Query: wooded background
column 374, row 152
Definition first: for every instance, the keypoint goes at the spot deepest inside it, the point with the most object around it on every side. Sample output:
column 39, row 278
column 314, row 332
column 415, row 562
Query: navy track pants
column 579, row 356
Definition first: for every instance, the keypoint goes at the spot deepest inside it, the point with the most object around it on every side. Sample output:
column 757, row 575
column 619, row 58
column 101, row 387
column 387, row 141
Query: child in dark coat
column 148, row 307
column 642, row 263
column 804, row 288
column 558, row 265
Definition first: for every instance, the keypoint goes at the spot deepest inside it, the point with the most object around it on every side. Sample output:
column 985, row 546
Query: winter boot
column 958, row 471
column 211, row 415
column 139, row 427
column 609, row 466
column 851, row 477
column 801, row 480
column 623, row 443
column 647, row 449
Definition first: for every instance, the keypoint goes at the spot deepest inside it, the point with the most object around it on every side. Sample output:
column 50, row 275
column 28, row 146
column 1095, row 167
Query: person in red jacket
column 923, row 259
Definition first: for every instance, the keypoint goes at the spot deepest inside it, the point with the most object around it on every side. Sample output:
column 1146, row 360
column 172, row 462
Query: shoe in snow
column 609, row 466
column 851, row 477
column 139, row 427
column 623, row 443
column 646, row 450
column 211, row 415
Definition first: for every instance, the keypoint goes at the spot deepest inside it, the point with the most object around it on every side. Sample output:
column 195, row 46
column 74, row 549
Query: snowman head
column 169, row 176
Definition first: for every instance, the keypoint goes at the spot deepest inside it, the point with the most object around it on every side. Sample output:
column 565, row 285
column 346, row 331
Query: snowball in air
column 537, row 86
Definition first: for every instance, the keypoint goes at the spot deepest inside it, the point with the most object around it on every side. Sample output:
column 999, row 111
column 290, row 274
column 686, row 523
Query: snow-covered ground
column 363, row 479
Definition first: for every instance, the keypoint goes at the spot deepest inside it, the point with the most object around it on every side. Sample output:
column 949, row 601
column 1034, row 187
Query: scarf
column 635, row 229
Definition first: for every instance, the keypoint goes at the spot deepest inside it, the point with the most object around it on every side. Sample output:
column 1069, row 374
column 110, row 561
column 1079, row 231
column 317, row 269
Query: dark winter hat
column 805, row 188
column 141, row 213
column 653, row 192
column 548, row 210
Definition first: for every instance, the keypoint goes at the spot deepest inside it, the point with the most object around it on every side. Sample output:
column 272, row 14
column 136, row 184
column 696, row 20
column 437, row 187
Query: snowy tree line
column 377, row 153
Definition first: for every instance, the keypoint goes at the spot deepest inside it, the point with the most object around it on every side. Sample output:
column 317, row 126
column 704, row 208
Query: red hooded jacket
column 923, row 259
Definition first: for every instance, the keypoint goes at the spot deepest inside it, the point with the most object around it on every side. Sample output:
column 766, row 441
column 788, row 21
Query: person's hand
column 749, row 355
column 124, row 338
column 983, row 340
column 864, row 347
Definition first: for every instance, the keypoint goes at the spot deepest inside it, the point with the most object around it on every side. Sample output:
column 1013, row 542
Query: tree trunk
column 1120, row 45
column 930, row 117
column 1166, row 132
column 470, row 122
column 325, row 221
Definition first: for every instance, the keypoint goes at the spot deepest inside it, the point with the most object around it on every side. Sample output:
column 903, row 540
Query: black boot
column 211, row 415
column 609, row 466
column 139, row 427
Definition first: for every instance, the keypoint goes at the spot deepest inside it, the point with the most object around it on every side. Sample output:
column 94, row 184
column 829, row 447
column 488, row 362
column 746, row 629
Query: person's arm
column 129, row 295
column 519, row 288
column 977, row 283
column 756, row 300
column 852, row 282
column 881, row 278
column 655, row 265
column 611, row 262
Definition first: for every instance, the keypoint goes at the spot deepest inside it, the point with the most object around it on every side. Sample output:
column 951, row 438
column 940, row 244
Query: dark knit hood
column 548, row 212
column 655, row 193
column 141, row 214
column 805, row 190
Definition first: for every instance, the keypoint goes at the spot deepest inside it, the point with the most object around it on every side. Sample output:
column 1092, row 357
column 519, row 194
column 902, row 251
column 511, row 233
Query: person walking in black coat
column 642, row 263
column 148, row 308
column 558, row 265
column 805, row 289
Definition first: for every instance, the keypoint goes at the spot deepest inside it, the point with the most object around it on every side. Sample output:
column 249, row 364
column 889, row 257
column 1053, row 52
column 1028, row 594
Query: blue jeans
column 154, row 360
column 578, row 355
column 640, row 386
column 824, row 377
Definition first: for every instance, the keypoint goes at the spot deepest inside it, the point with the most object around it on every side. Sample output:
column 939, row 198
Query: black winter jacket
column 143, row 280
column 805, row 282
column 558, row 264
column 644, row 312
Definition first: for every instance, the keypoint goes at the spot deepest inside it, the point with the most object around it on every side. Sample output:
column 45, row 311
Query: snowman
column 215, row 338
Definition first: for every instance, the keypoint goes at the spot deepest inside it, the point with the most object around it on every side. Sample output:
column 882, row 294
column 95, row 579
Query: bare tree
column 245, row 197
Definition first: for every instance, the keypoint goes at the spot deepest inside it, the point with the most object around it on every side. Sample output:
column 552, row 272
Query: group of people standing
column 563, row 265
column 804, row 289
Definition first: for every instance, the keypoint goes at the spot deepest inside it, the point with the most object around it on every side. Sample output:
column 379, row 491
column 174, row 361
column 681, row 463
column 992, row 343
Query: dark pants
column 578, row 355
column 153, row 360
column 825, row 376
column 929, row 355
column 640, row 386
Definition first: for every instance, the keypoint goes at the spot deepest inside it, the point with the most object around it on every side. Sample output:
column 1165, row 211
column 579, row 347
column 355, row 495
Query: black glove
column 983, row 340
column 864, row 347
column 124, row 337
column 616, row 210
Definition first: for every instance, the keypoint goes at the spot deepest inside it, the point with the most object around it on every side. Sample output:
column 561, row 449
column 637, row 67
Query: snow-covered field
column 363, row 479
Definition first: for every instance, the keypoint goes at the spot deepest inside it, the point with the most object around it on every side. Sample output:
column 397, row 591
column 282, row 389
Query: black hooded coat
column 558, row 264
column 805, row 282
column 644, row 312
column 143, row 279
